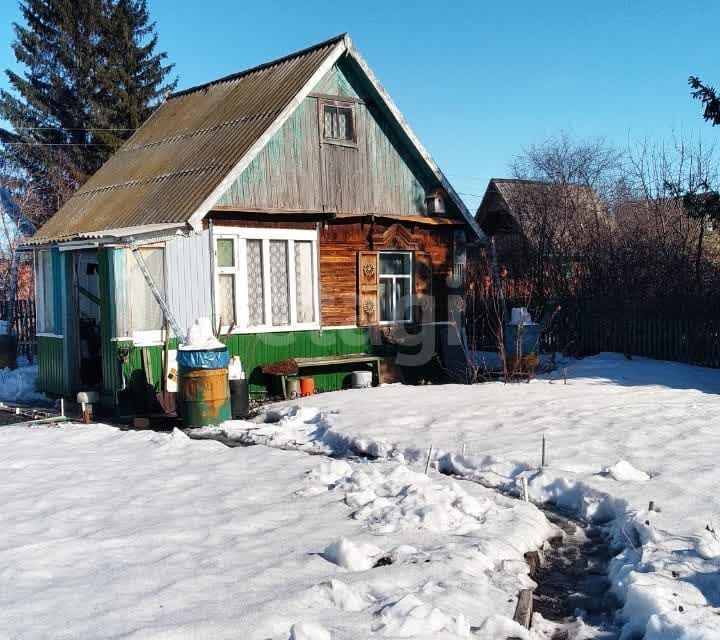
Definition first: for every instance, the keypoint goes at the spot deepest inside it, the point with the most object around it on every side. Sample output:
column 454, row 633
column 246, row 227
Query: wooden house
column 290, row 202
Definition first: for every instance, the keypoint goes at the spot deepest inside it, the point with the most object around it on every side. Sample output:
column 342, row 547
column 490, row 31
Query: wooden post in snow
column 524, row 608
column 427, row 462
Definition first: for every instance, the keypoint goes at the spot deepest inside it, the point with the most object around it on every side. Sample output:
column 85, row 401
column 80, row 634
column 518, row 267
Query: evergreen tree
column 133, row 76
column 51, row 108
column 709, row 98
column 91, row 77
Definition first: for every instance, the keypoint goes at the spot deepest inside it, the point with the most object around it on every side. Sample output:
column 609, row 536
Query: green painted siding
column 110, row 362
column 295, row 170
column 336, row 83
column 256, row 350
column 285, row 172
column 50, row 378
column 71, row 339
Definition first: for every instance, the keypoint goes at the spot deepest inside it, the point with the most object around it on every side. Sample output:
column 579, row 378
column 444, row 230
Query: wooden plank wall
column 339, row 245
column 296, row 171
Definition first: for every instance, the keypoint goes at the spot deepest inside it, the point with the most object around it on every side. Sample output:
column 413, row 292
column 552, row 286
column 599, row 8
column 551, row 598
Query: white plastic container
column 235, row 369
column 361, row 379
column 520, row 315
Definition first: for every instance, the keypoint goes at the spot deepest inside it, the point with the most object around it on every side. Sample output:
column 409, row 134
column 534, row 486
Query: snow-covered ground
column 112, row 534
column 619, row 434
column 18, row 385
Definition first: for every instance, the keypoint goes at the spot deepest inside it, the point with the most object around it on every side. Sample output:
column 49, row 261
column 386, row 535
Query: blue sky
column 477, row 81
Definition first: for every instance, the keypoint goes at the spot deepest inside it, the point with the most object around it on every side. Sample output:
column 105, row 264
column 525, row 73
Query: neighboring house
column 516, row 206
column 526, row 218
column 290, row 202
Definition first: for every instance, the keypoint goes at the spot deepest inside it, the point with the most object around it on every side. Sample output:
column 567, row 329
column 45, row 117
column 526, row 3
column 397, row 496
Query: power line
column 74, row 129
column 56, row 144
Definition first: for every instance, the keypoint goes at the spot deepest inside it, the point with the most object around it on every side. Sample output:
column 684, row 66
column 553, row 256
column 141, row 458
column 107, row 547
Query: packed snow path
column 620, row 434
column 113, row 534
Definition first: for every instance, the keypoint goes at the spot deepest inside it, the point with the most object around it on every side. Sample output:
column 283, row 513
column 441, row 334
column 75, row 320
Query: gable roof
column 177, row 165
column 505, row 197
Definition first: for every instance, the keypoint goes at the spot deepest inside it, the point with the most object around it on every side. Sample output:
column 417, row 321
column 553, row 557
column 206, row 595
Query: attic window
column 338, row 123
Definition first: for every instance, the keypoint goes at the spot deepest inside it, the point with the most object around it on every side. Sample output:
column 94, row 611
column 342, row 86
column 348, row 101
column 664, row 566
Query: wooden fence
column 682, row 329
column 24, row 325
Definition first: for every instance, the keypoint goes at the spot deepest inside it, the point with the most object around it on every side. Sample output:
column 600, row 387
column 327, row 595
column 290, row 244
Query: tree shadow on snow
column 634, row 371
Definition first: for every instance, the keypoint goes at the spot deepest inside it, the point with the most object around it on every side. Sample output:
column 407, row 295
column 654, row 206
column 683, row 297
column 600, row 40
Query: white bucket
column 361, row 379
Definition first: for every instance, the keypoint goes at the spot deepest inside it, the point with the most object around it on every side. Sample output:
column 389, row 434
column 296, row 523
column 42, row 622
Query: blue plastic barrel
column 524, row 336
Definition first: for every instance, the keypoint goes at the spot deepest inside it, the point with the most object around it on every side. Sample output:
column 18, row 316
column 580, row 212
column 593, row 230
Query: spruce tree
column 51, row 107
column 134, row 76
column 91, row 77
column 709, row 98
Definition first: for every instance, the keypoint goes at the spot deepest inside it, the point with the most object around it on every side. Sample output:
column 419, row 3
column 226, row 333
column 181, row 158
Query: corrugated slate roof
column 176, row 166
column 506, row 197
column 184, row 151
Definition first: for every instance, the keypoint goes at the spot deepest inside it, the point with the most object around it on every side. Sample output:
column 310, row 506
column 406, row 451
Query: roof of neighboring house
column 505, row 197
column 182, row 159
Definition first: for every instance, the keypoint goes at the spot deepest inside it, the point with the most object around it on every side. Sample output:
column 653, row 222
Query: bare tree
column 670, row 215
column 561, row 197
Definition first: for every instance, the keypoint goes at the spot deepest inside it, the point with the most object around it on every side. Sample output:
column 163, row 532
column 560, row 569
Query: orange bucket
column 307, row 386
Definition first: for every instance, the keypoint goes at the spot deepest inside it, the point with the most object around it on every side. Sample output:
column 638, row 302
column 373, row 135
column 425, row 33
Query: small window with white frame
column 44, row 292
column 266, row 279
column 395, row 286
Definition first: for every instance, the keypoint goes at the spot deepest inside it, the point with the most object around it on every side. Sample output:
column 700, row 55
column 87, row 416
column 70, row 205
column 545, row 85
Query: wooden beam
column 333, row 215
column 336, row 98
column 402, row 218
column 524, row 608
column 273, row 211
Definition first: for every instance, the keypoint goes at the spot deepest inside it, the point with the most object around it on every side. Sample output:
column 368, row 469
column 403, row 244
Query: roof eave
column 142, row 233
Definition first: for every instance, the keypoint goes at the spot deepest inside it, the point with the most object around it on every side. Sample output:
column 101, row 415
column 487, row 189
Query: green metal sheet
column 255, row 351
column 258, row 349
column 50, row 378
column 108, row 350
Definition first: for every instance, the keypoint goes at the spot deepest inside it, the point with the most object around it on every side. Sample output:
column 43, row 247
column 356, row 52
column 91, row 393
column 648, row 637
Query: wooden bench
column 334, row 361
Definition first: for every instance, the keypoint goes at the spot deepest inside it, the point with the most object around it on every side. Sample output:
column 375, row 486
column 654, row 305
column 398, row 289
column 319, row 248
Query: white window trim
column 146, row 337
column 410, row 277
column 242, row 234
column 43, row 293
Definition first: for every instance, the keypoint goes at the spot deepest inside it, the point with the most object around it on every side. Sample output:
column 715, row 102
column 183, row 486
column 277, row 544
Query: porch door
column 87, row 283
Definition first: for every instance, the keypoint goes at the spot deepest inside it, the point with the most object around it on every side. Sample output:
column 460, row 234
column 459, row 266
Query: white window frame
column 393, row 277
column 43, row 293
column 146, row 337
column 241, row 235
